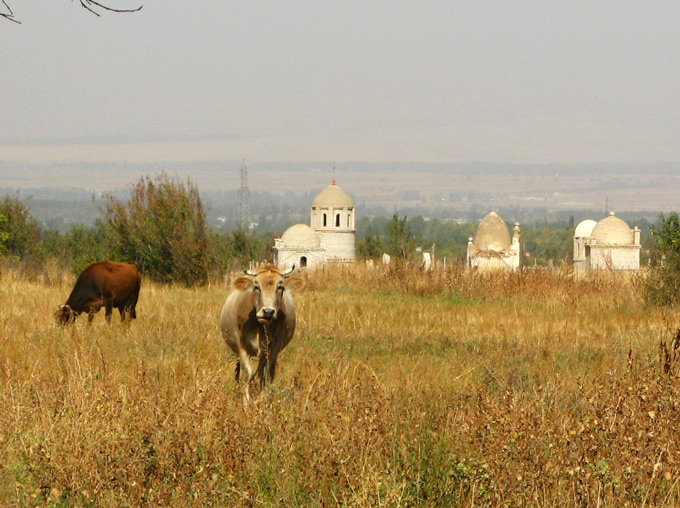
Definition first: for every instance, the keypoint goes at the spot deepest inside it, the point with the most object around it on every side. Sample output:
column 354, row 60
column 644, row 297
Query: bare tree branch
column 10, row 15
column 86, row 4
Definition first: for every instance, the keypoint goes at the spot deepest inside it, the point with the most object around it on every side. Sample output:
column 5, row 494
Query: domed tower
column 492, row 247
column 333, row 219
column 582, row 234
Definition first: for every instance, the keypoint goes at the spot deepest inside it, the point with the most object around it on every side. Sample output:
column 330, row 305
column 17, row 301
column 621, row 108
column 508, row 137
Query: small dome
column 333, row 196
column 612, row 231
column 300, row 236
column 492, row 234
column 584, row 228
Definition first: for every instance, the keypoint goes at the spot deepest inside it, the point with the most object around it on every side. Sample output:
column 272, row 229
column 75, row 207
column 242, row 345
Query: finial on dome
column 611, row 213
column 333, row 182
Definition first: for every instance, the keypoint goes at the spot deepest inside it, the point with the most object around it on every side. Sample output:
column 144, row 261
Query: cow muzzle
column 266, row 315
column 65, row 315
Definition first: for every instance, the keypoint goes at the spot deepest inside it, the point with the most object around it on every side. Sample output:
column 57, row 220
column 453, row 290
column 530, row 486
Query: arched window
column 324, row 220
column 337, row 221
column 349, row 218
column 303, row 261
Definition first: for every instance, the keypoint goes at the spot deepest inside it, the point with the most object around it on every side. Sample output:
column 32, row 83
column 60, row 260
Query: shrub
column 400, row 242
column 663, row 283
column 4, row 235
column 370, row 247
column 79, row 247
column 162, row 228
column 20, row 231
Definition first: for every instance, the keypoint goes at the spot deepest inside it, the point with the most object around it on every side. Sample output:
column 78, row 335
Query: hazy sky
column 450, row 81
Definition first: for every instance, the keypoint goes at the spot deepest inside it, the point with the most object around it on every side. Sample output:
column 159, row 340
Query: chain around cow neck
column 265, row 348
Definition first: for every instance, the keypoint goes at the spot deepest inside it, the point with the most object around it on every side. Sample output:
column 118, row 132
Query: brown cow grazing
column 258, row 319
column 106, row 284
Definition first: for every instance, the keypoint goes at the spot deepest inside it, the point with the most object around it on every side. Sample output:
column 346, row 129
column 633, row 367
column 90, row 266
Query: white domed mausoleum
column 492, row 247
column 299, row 246
column 609, row 244
column 331, row 237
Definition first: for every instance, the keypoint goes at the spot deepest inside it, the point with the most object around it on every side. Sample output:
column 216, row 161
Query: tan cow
column 258, row 319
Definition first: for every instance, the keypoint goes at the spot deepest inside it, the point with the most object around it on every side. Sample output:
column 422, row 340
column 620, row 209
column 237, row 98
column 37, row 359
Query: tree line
column 161, row 226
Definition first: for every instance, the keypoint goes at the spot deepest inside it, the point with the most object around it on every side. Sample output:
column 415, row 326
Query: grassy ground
column 399, row 389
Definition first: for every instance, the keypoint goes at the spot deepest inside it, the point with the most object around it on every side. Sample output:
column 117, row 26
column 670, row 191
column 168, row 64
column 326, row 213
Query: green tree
column 4, row 234
column 663, row 283
column 162, row 228
column 20, row 230
column 79, row 247
column 399, row 243
column 370, row 247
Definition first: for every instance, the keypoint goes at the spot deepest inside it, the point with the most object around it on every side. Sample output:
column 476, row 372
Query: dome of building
column 612, row 231
column 333, row 196
column 585, row 228
column 301, row 236
column 492, row 234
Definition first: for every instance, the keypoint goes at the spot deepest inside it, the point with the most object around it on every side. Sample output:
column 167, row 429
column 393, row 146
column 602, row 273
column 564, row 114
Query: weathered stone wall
column 331, row 213
column 339, row 245
column 484, row 263
column 285, row 258
column 615, row 257
column 490, row 260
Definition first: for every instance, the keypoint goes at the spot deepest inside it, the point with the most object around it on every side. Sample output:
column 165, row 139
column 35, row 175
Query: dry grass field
column 399, row 389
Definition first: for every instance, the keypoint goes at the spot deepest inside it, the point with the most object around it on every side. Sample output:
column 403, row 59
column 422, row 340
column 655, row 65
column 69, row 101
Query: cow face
column 65, row 315
column 267, row 286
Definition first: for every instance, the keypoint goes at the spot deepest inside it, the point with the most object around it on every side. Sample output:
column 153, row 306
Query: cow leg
column 108, row 310
column 244, row 361
column 93, row 308
column 131, row 304
column 269, row 363
column 273, row 354
column 266, row 369
column 238, row 369
column 123, row 310
column 262, row 368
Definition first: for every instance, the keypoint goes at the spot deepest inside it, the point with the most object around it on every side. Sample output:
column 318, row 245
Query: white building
column 610, row 244
column 299, row 246
column 331, row 237
column 492, row 248
column 581, row 239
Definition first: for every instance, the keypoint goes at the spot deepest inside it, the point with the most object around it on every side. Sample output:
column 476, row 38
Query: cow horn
column 249, row 272
column 288, row 272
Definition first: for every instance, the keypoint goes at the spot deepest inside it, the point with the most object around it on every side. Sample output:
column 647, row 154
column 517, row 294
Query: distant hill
column 449, row 188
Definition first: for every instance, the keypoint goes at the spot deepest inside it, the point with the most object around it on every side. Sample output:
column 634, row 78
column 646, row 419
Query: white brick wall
column 615, row 258
column 285, row 258
column 339, row 245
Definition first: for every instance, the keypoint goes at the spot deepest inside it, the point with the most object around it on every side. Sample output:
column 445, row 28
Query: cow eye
column 281, row 287
column 256, row 287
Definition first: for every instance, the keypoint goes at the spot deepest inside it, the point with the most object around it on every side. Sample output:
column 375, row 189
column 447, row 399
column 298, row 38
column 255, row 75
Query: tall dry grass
column 399, row 389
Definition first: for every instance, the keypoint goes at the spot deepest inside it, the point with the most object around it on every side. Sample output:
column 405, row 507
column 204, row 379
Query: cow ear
column 243, row 283
column 295, row 283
